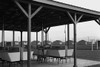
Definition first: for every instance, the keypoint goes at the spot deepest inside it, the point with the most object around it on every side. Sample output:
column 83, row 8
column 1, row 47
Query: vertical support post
column 75, row 44
column 65, row 36
column 75, row 21
column 42, row 36
column 29, row 37
column 36, row 38
column 21, row 50
column 29, row 15
column 45, row 38
column 46, row 34
column 65, row 44
column 68, row 36
column 3, row 36
column 13, row 38
column 97, row 42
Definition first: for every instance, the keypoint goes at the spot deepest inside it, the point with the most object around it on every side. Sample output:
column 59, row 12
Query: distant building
column 70, row 42
column 7, row 43
column 35, row 43
column 82, row 42
column 47, row 42
column 57, row 42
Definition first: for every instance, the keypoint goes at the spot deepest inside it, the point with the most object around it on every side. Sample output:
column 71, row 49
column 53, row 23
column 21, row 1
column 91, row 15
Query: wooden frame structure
column 42, row 14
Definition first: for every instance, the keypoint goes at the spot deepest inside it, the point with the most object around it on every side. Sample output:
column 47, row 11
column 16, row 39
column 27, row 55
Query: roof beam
column 46, row 29
column 80, row 18
column 70, row 16
column 74, row 19
column 36, row 11
column 23, row 10
column 98, row 21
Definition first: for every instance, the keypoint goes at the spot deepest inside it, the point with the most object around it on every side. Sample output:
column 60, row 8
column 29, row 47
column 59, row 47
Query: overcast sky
column 86, row 30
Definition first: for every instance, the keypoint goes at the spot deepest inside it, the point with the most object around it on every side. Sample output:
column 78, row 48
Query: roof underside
column 52, row 14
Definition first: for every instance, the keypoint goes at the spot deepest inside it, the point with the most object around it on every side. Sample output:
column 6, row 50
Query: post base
column 75, row 66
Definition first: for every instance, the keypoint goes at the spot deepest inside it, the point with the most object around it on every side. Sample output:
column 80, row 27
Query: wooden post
column 21, row 50
column 75, row 46
column 98, row 21
column 29, row 15
column 65, row 44
column 36, row 38
column 29, row 37
column 13, row 38
column 75, row 43
column 3, row 36
column 45, row 38
column 46, row 34
column 42, row 36
column 68, row 36
column 75, row 20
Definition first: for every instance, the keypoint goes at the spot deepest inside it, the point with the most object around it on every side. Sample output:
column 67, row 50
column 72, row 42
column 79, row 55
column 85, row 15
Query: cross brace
column 46, row 30
column 75, row 19
column 98, row 21
column 23, row 10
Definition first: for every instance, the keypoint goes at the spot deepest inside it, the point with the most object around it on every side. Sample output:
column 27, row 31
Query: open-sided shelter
column 33, row 15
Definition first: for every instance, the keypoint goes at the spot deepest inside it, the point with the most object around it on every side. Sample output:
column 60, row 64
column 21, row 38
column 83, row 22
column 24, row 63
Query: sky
column 86, row 30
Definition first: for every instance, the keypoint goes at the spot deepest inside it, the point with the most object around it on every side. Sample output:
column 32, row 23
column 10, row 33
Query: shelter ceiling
column 14, row 19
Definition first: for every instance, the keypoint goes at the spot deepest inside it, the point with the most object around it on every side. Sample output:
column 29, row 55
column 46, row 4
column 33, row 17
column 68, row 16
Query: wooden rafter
column 23, row 10
column 75, row 19
column 98, row 21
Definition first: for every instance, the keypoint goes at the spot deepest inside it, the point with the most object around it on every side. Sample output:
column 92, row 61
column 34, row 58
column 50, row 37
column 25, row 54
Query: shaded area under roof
column 52, row 14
